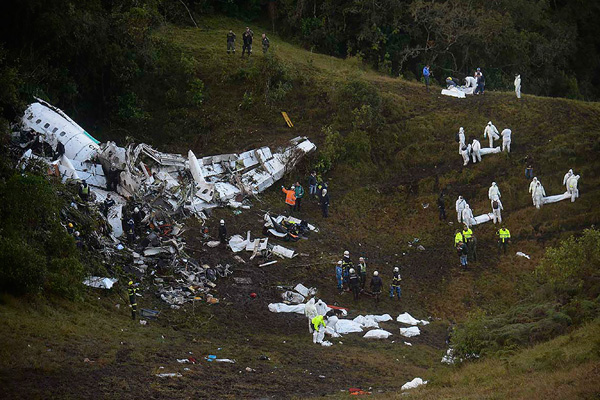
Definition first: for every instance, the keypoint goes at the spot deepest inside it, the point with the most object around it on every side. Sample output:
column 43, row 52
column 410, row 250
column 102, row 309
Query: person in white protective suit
column 461, row 139
column 460, row 206
column 566, row 178
column 467, row 216
column 310, row 311
column 470, row 81
column 506, row 137
column 518, row 86
column 466, row 154
column 572, row 187
column 497, row 210
column 491, row 132
column 532, row 186
column 476, row 151
column 538, row 195
column 494, row 192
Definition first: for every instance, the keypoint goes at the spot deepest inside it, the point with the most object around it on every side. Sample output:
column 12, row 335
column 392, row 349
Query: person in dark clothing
column 265, row 43
column 312, row 184
column 130, row 231
column 138, row 215
column 441, row 207
column 347, row 265
column 108, row 203
column 462, row 252
column 230, row 42
column 395, row 286
column 299, row 195
column 70, row 228
column 325, row 203
column 60, row 150
column 354, row 282
column 132, row 292
column 84, row 191
column 529, row 172
column 222, row 232
column 472, row 248
column 480, row 84
column 247, row 39
column 376, row 285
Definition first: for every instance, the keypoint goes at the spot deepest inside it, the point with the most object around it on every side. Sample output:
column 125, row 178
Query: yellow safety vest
column 467, row 234
column 458, row 238
column 504, row 234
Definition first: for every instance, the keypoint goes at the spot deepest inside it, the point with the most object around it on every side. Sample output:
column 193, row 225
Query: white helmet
column 361, row 259
column 340, row 262
column 293, row 187
column 351, row 270
column 136, row 210
column 324, row 191
column 396, row 269
column 493, row 183
column 375, row 273
column 489, row 123
column 222, row 222
column 346, row 253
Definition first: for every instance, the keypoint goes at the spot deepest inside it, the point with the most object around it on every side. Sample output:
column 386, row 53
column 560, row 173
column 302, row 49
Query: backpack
column 457, row 138
column 495, row 204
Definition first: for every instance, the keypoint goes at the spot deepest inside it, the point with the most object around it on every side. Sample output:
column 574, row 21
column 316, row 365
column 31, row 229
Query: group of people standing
column 316, row 189
column 473, row 150
column 247, row 38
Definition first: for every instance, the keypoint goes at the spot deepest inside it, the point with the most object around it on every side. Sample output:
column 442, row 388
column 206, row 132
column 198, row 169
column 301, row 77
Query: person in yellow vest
column 503, row 239
column 132, row 292
column 319, row 332
column 458, row 237
column 84, row 191
column 471, row 242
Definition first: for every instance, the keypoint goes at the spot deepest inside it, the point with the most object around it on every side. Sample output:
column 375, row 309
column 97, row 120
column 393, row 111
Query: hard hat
column 324, row 191
column 478, row 69
column 130, row 283
column 293, row 187
column 449, row 78
column 70, row 225
column 340, row 262
column 222, row 222
column 493, row 183
column 375, row 273
column 361, row 259
column 351, row 270
column 253, row 295
column 136, row 210
column 77, row 233
column 346, row 253
column 396, row 269
column 489, row 123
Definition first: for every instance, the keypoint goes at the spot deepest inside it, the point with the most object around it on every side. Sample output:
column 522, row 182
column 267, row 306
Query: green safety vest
column 458, row 238
column 467, row 234
column 85, row 189
column 363, row 267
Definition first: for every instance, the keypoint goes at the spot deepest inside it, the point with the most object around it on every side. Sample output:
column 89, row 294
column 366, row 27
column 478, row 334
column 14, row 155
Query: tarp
column 410, row 332
column 285, row 308
column 489, row 150
column 377, row 334
column 345, row 326
column 413, row 384
column 408, row 319
column 454, row 92
column 480, row 219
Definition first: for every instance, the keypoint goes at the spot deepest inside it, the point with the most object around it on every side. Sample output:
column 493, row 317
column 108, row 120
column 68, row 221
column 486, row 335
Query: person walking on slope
column 339, row 276
column 471, row 243
column 460, row 206
column 506, row 138
column 312, row 184
column 491, row 132
column 442, row 207
column 319, row 327
column 529, row 172
column 395, row 286
column 354, row 282
column 347, row 265
column 84, row 191
column 476, row 151
column 503, row 239
column 325, row 203
column 310, row 311
column 518, row 86
column 376, row 285
column 538, row 195
column 466, row 154
column 463, row 252
column 230, row 42
column 132, row 292
column 299, row 195
column 222, row 232
column 426, row 76
column 247, row 39
column 290, row 197
column 566, row 178
column 572, row 187
column 362, row 271
column 265, row 43
column 467, row 216
column 461, row 140
column 532, row 186
column 458, row 237
column 497, row 210
column 494, row 192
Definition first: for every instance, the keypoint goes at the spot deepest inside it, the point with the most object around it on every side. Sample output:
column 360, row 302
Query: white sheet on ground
column 410, row 332
column 521, row 254
column 377, row 334
column 285, row 308
column 413, row 384
column 100, row 282
column 345, row 326
column 454, row 92
column 408, row 319
column 382, row 318
column 366, row 322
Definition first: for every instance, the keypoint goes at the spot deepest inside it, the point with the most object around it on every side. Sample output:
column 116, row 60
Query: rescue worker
column 376, row 285
column 506, row 138
column 130, row 231
column 138, row 216
column 299, row 195
column 566, row 178
column 503, row 239
column 538, row 195
column 463, row 251
column 458, row 237
column 532, row 186
column 354, row 283
column 395, row 286
column 426, row 76
column 319, row 332
column 265, row 43
column 290, row 197
column 84, row 191
column 497, row 210
column 108, row 203
column 470, row 81
column 572, row 187
column 247, row 42
column 467, row 216
column 78, row 241
column 466, row 154
column 310, row 311
column 362, row 271
column 70, row 228
column 494, row 191
column 480, row 89
column 491, row 132
column 450, row 82
column 441, row 207
column 320, row 187
column 222, row 232
column 312, row 184
column 471, row 243
column 230, row 42
column 325, row 203
column 460, row 206
column 132, row 292
column 347, row 265
column 461, row 139
column 529, row 172
column 476, row 151
column 339, row 276
column 518, row 86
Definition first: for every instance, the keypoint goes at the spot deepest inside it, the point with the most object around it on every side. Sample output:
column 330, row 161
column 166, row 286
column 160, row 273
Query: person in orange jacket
column 290, row 197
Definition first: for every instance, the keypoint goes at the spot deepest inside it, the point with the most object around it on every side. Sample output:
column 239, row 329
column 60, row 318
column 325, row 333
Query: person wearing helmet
column 132, row 292
column 395, row 286
column 376, row 285
column 339, row 273
column 290, row 197
column 346, row 266
column 138, row 216
column 70, row 228
column 324, row 200
column 354, row 282
column 450, row 82
column 222, row 232
column 130, row 231
column 84, row 191
column 566, row 178
column 108, row 203
column 506, row 139
column 362, row 271
column 491, row 132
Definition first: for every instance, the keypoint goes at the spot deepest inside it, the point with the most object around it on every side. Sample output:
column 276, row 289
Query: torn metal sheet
column 100, row 282
column 283, row 252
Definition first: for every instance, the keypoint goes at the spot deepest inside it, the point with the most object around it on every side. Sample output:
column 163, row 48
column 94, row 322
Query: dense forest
column 92, row 57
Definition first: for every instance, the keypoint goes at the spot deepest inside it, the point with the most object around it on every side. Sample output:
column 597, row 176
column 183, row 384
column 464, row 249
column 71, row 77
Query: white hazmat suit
column 572, row 187
column 566, row 178
column 466, row 152
column 518, row 86
column 461, row 139
column 494, row 192
column 476, row 151
column 497, row 214
column 460, row 206
column 491, row 132
column 532, row 186
column 470, row 81
column 538, row 195
column 467, row 216
column 506, row 137
column 310, row 311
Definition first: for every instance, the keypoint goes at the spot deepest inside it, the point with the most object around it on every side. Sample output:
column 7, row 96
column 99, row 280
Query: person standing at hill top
column 230, row 42
column 247, row 39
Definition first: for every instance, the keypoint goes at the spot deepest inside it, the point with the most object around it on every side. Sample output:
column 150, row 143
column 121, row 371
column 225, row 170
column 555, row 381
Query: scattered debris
column 143, row 322
column 377, row 334
column 268, row 263
column 408, row 344
column 248, row 369
column 413, row 384
column 99, row 282
column 169, row 375
column 304, row 291
column 521, row 254
column 449, row 357
column 410, row 331
column 408, row 319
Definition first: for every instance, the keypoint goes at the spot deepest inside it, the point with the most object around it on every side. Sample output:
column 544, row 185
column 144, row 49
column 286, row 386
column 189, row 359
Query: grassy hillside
column 387, row 149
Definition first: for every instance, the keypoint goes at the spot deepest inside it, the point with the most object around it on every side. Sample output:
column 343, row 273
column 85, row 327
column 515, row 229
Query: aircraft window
column 54, row 130
column 38, row 121
column 46, row 126
column 62, row 133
